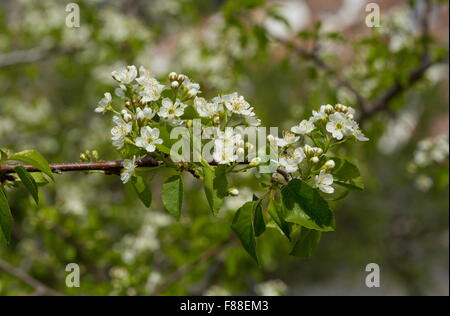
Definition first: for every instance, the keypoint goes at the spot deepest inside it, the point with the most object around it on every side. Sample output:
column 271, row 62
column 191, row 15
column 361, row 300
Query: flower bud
column 83, row 157
column 309, row 151
column 350, row 116
column 173, row 76
column 255, row 162
column 189, row 123
column 127, row 117
column 318, row 151
column 249, row 146
column 174, row 84
column 329, row 164
column 314, row 159
column 216, row 120
column 181, row 78
column 233, row 191
column 95, row 155
column 341, row 108
column 329, row 109
column 270, row 138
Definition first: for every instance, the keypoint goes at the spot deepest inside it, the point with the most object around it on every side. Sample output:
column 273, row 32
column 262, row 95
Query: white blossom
column 170, row 110
column 149, row 139
column 129, row 165
column 288, row 138
column 104, row 102
column 205, row 108
column 120, row 131
column 303, row 128
column 225, row 146
column 252, row 120
column 323, row 181
column 237, row 104
column 317, row 116
column 120, row 91
column 291, row 160
column 338, row 126
column 146, row 113
column 151, row 90
column 126, row 75
column 192, row 88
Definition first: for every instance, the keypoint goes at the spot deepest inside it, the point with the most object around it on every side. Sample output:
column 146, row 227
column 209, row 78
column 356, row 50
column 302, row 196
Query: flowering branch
column 109, row 167
column 149, row 117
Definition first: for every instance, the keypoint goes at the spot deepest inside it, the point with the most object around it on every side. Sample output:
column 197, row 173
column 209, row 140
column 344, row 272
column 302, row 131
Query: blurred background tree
column 287, row 58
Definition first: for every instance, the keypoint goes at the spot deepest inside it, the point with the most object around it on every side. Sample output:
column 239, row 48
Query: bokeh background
column 52, row 76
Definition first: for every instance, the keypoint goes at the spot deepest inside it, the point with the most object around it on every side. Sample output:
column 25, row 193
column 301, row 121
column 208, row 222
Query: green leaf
column 278, row 215
column 172, row 195
column 243, row 227
column 3, row 155
column 142, row 190
column 319, row 139
column 258, row 220
column 347, row 174
column 306, row 207
column 34, row 158
column 28, row 181
column 306, row 244
column 216, row 184
column 6, row 220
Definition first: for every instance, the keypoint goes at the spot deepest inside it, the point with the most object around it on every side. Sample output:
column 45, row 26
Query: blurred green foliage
column 124, row 248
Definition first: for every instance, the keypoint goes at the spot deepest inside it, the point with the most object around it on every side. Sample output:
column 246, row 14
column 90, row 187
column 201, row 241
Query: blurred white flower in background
column 271, row 288
column 145, row 240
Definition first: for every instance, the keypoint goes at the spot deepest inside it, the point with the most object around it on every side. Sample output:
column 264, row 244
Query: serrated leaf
column 346, row 174
column 216, row 184
column 6, row 220
column 306, row 207
column 35, row 159
column 172, row 195
column 278, row 214
column 306, row 244
column 28, row 182
column 142, row 190
column 243, row 227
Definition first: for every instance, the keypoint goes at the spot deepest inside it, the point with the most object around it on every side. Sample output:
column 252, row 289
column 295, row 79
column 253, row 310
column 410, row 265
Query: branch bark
column 109, row 167
column 39, row 287
column 33, row 55
column 188, row 268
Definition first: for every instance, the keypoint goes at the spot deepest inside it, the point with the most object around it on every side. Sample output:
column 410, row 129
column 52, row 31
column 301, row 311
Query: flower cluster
column 431, row 150
column 304, row 147
column 150, row 107
column 430, row 156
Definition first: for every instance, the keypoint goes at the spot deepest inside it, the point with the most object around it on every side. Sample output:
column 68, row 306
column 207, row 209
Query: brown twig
column 186, row 269
column 39, row 287
column 383, row 102
column 313, row 56
column 34, row 55
column 109, row 167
